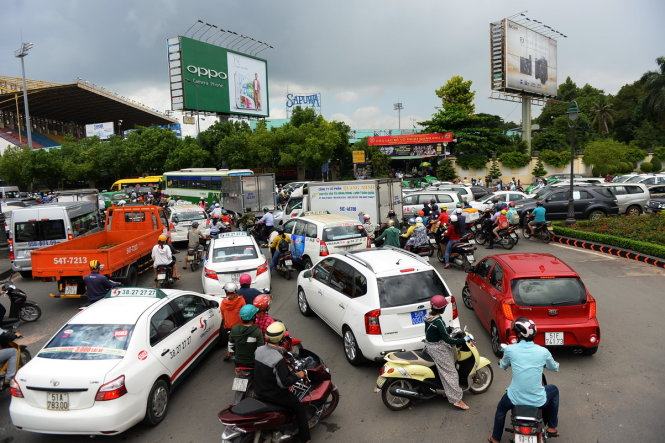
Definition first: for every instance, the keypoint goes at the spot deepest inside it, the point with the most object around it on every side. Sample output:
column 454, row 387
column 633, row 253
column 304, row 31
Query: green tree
column 514, row 159
column 494, row 172
column 603, row 116
column 654, row 84
column 446, row 171
column 539, row 170
column 187, row 154
column 457, row 93
column 557, row 159
column 15, row 167
column 605, row 155
column 646, row 167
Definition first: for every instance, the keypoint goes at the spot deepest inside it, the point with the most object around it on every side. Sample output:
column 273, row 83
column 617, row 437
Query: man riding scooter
column 267, row 223
column 419, row 236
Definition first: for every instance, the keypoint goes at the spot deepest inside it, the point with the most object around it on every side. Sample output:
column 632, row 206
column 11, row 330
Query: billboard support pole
column 526, row 122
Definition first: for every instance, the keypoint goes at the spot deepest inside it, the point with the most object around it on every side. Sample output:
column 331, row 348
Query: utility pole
column 21, row 53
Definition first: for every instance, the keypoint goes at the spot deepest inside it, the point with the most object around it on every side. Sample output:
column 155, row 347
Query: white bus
column 194, row 184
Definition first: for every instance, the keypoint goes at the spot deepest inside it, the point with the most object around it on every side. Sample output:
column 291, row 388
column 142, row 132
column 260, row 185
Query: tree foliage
column 607, row 155
column 539, row 170
column 446, row 170
column 514, row 159
column 558, row 159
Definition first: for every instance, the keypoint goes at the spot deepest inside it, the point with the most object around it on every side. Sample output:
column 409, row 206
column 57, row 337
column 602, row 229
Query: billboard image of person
column 248, row 93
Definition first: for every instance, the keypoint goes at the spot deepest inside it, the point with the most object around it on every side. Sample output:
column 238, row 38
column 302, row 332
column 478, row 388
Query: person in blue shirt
column 268, row 222
column 538, row 215
column 96, row 284
column 526, row 388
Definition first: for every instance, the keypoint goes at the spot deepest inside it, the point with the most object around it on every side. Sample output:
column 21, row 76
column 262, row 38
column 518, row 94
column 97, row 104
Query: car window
column 558, row 197
column 322, row 271
column 342, row 278
column 343, row 232
column 634, row 190
column 162, row 324
column 657, row 190
column 39, row 230
column 585, row 195
column 425, row 198
column 189, row 306
column 496, row 279
column 188, row 216
column 84, row 223
column 548, row 291
column 484, row 267
column 288, row 226
column 410, row 200
column 406, row 289
column 618, row 190
column 515, row 197
column 604, row 192
column 310, row 230
column 360, row 283
column 234, row 253
column 300, row 228
column 649, row 181
column 444, row 198
column 89, row 342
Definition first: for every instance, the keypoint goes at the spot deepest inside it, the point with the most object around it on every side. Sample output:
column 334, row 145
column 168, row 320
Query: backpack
column 503, row 222
column 283, row 246
column 513, row 217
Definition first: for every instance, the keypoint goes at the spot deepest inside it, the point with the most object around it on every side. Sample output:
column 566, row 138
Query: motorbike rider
column 392, row 216
column 162, row 255
column 390, row 235
column 452, row 236
column 8, row 354
column 280, row 245
column 230, row 307
column 539, row 217
column 500, row 223
column 194, row 238
column 214, row 228
column 410, row 229
column 267, row 222
column 369, row 226
column 439, row 345
column 526, row 388
column 263, row 319
column 247, row 220
column 272, row 377
column 461, row 220
column 225, row 218
column 96, row 284
column 216, row 211
column 247, row 292
column 433, row 206
column 419, row 236
column 512, row 215
column 245, row 337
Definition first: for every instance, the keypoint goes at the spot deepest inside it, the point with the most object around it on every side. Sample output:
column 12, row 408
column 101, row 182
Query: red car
column 541, row 287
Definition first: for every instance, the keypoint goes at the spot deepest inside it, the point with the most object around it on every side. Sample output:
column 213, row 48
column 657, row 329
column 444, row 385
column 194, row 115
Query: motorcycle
column 255, row 420
column 506, row 238
column 20, row 307
column 285, row 265
column 543, row 231
column 195, row 256
column 411, row 376
column 165, row 276
column 526, row 422
column 23, row 356
column 461, row 255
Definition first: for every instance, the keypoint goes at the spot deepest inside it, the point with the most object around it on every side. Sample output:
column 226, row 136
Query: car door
column 342, row 290
column 447, row 200
column 409, row 203
column 476, row 278
column 657, row 191
column 495, row 291
column 167, row 342
column 199, row 322
column 581, row 201
column 317, row 292
column 481, row 302
column 556, row 204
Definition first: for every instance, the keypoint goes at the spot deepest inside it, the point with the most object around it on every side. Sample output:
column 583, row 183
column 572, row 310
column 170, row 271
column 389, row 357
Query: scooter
column 543, row 231
column 165, row 276
column 195, row 255
column 23, row 356
column 412, row 376
column 527, row 423
column 461, row 255
column 255, row 420
column 20, row 307
column 285, row 265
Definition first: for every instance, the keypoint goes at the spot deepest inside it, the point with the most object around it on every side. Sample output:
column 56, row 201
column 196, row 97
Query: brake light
column 592, row 309
column 323, row 249
column 171, row 226
column 112, row 390
column 10, row 242
column 525, row 430
column 407, row 270
column 261, row 269
column 507, row 311
column 209, row 273
column 372, row 326
column 15, row 389
column 382, row 369
column 70, row 236
column 454, row 303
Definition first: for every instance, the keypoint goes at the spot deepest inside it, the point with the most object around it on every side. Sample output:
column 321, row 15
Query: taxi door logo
column 203, row 323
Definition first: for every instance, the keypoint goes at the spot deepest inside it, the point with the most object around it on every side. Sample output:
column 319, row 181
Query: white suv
column 376, row 299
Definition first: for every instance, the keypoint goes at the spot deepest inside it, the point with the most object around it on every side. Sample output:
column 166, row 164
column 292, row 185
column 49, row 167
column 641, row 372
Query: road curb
column 610, row 250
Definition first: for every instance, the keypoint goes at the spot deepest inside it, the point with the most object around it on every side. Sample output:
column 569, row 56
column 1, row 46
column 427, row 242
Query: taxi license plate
column 418, row 317
column 71, row 289
column 57, row 401
column 526, row 438
column 161, row 276
column 553, row 338
column 288, row 262
column 240, row 384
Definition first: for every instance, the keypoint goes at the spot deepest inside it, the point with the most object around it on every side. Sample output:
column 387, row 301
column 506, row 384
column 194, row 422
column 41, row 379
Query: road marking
column 572, row 248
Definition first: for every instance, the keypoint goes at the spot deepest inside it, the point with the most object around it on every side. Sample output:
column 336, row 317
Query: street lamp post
column 398, row 107
column 573, row 114
column 21, row 53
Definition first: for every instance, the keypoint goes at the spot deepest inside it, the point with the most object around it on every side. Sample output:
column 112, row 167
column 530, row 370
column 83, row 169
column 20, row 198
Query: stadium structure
column 57, row 110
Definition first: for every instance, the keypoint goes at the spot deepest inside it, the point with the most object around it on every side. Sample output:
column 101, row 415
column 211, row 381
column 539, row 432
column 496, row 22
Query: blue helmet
column 412, row 221
column 248, row 312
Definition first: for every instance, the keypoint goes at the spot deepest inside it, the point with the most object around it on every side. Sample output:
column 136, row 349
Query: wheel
column 30, row 312
column 545, row 235
column 25, row 356
column 507, row 242
column 289, row 274
column 466, row 297
column 351, row 350
column 633, row 210
column 306, row 263
column 302, row 303
column 480, row 237
column 391, row 401
column 495, row 341
column 481, row 380
column 589, row 351
column 330, row 405
column 26, row 275
column 439, row 255
column 158, row 403
column 596, row 214
column 132, row 276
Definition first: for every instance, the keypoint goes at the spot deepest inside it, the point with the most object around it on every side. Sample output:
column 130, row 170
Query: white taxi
column 316, row 235
column 115, row 363
column 181, row 216
column 231, row 255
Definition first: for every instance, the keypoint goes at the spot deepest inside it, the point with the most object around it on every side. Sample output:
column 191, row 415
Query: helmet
column 432, row 201
column 458, row 211
column 443, row 207
column 524, row 328
column 230, row 287
column 453, row 218
column 224, row 211
column 279, row 230
column 95, row 264
column 217, row 205
column 162, row 237
column 366, row 217
column 459, row 205
column 438, row 302
column 539, row 203
column 412, row 221
column 248, row 312
column 275, row 332
column 391, row 213
column 122, row 203
column 504, row 212
column 195, row 224
column 262, row 302
column 511, row 204
column 421, row 213
column 419, row 220
column 265, row 209
column 245, row 279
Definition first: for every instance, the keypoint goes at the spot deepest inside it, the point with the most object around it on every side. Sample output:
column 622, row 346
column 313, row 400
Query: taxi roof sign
column 136, row 292
column 233, row 234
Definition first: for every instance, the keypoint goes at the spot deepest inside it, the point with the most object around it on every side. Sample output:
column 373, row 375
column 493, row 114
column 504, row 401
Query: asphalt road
column 614, row 396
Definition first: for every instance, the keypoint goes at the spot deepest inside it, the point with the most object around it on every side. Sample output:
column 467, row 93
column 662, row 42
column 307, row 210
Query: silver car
column 412, row 203
column 632, row 198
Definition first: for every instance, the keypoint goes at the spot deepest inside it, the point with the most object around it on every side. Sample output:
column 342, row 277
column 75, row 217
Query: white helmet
column 453, row 218
column 458, row 211
column 230, row 287
column 217, row 205
column 524, row 328
column 419, row 219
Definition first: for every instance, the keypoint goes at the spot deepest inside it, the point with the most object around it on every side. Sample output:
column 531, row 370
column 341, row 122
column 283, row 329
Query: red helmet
column 511, row 204
column 262, row 302
column 245, row 279
column 421, row 213
column 438, row 302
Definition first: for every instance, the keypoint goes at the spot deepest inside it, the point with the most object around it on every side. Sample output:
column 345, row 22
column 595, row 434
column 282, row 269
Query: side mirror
column 307, row 273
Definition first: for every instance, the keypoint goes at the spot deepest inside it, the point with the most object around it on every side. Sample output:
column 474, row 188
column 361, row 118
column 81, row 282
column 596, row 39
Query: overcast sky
column 362, row 55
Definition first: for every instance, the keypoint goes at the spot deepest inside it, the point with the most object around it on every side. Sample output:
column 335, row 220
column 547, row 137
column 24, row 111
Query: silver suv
column 632, row 198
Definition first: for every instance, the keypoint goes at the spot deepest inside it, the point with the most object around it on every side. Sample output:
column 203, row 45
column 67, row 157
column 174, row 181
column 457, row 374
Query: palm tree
column 654, row 85
column 603, row 115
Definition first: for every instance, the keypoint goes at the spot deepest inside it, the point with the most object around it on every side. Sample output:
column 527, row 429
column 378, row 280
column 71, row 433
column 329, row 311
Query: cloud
column 372, row 117
column 346, row 96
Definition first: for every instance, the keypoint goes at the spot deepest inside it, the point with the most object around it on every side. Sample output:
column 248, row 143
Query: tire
column 303, row 306
column 306, row 263
column 439, row 255
column 545, row 235
column 132, row 276
column 30, row 312
column 351, row 350
column 482, row 380
column 289, row 274
column 26, row 275
column 633, row 210
column 480, row 237
column 396, row 403
column 158, row 403
column 589, row 351
column 330, row 406
column 495, row 341
column 507, row 242
column 466, row 297
column 25, row 356
column 596, row 214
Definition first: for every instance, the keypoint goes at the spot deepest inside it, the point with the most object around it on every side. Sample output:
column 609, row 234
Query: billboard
column 522, row 60
column 312, row 100
column 209, row 78
column 101, row 130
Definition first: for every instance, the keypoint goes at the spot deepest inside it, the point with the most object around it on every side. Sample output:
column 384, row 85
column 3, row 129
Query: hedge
column 643, row 247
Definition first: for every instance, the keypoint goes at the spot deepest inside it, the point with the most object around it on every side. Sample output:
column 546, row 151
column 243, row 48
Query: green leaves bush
column 558, row 159
column 514, row 159
column 656, row 164
column 646, row 167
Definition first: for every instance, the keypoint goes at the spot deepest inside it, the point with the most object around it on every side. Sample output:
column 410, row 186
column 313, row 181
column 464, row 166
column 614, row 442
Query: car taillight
column 15, row 389
column 10, row 242
column 70, row 236
column 323, row 249
column 209, row 273
column 372, row 326
column 261, row 269
column 171, row 226
column 369, row 242
column 112, row 390
column 454, row 303
column 592, row 309
column 507, row 311
column 525, row 430
column 382, row 369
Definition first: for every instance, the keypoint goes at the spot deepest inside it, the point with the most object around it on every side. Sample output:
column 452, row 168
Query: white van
column 181, row 216
column 9, row 192
column 44, row 225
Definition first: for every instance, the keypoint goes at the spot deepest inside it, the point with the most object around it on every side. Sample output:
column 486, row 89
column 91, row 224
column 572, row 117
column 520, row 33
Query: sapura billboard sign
column 210, row 78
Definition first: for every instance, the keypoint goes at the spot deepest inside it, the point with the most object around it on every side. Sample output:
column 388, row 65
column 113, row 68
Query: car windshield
column 635, row 179
column 605, row 192
column 12, row 194
column 233, row 253
column 89, row 342
column 540, row 195
column 548, row 291
column 406, row 289
column 188, row 216
column 294, row 203
column 343, row 232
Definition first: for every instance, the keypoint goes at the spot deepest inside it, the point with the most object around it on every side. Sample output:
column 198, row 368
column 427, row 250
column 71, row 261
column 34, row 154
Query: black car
column 656, row 205
column 590, row 202
column 479, row 192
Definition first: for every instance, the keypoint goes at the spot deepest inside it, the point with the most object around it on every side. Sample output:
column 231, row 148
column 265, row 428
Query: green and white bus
column 194, row 184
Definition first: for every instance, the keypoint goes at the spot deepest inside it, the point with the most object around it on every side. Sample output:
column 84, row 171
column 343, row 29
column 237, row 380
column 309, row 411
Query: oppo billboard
column 210, row 78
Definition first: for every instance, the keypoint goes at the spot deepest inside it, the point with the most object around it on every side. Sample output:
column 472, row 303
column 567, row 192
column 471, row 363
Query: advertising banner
column 101, row 130
column 312, row 100
column 530, row 60
column 358, row 156
column 410, row 139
